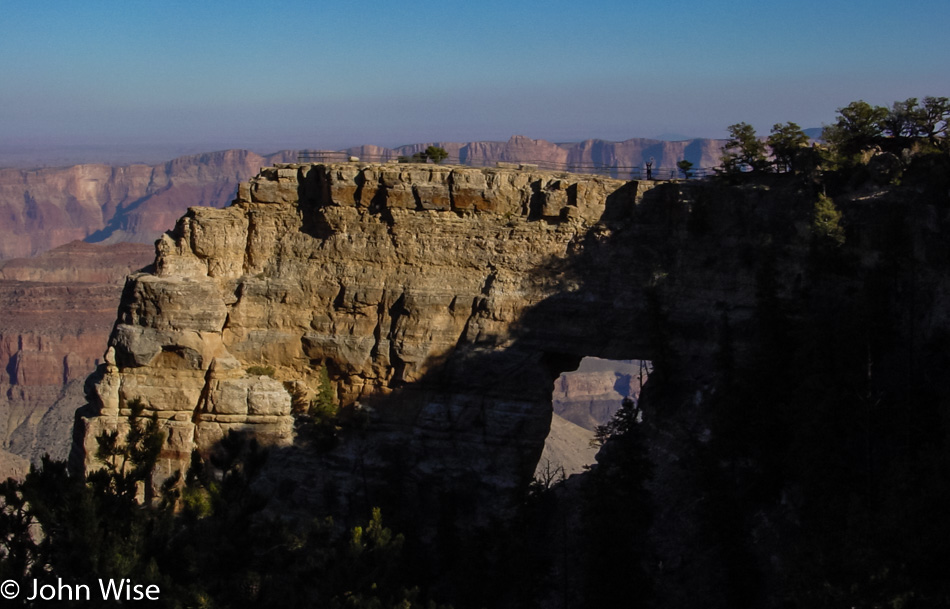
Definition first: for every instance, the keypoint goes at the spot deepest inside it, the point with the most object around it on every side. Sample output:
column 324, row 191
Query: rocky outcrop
column 408, row 282
column 444, row 301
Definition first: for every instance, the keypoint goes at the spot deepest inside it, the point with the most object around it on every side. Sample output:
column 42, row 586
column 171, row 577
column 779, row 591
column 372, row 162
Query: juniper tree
column 744, row 150
column 786, row 142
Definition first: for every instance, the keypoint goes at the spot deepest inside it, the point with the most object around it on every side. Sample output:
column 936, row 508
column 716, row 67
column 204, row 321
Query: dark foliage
column 435, row 154
column 205, row 543
column 617, row 515
column 835, row 433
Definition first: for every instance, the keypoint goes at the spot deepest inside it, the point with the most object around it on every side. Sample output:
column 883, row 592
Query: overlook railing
column 613, row 171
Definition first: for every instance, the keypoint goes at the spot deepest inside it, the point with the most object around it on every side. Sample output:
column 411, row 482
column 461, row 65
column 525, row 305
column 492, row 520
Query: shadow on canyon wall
column 688, row 274
column 653, row 280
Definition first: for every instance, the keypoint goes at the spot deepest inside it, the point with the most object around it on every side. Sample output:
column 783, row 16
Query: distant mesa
column 672, row 137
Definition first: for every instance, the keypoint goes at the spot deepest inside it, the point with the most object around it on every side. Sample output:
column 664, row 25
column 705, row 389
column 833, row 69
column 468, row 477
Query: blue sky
column 269, row 75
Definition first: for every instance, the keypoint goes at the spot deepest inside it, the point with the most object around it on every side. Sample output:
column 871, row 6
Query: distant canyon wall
column 45, row 208
column 578, row 156
column 56, row 312
column 57, row 308
column 590, row 395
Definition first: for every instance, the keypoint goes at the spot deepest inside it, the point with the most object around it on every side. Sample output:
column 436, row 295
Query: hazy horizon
column 59, row 156
column 178, row 78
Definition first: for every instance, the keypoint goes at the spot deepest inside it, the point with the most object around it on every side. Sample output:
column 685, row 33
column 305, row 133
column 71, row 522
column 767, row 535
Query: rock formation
column 136, row 203
column 415, row 286
column 445, row 301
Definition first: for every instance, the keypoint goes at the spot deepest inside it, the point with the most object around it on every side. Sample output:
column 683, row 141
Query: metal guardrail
column 614, row 171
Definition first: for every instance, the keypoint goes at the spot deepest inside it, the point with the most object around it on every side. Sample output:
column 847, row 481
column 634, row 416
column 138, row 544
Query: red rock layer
column 44, row 208
column 58, row 309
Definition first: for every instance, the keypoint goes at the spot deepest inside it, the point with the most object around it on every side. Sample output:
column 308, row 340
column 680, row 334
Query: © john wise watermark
column 9, row 589
column 104, row 589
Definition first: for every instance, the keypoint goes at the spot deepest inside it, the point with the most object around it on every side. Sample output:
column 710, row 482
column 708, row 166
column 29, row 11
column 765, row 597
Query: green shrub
column 324, row 406
column 826, row 224
column 261, row 371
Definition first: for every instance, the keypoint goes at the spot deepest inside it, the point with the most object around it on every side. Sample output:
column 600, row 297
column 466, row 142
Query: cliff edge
column 408, row 282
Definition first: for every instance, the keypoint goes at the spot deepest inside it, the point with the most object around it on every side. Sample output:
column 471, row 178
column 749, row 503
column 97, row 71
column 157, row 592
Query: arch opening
column 582, row 400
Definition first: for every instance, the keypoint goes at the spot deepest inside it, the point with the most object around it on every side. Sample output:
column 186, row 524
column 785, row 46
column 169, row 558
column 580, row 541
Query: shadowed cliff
column 445, row 301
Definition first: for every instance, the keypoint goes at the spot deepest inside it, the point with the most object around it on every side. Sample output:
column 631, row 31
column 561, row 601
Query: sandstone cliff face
column 409, row 282
column 444, row 301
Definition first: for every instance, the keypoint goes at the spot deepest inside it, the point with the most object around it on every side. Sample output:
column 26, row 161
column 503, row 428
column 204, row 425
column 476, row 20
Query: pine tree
column 618, row 514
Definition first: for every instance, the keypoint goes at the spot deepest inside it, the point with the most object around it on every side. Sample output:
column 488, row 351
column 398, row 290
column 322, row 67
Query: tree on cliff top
column 902, row 119
column 858, row 128
column 433, row 153
column 686, row 168
column 744, row 150
column 786, row 142
column 437, row 154
column 934, row 118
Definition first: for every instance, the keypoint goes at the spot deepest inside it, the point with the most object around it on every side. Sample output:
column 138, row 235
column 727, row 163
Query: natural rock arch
column 444, row 301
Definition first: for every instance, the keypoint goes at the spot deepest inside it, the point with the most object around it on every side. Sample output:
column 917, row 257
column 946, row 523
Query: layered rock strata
column 413, row 284
column 56, row 313
column 46, row 208
column 58, row 310
column 590, row 395
column 445, row 301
